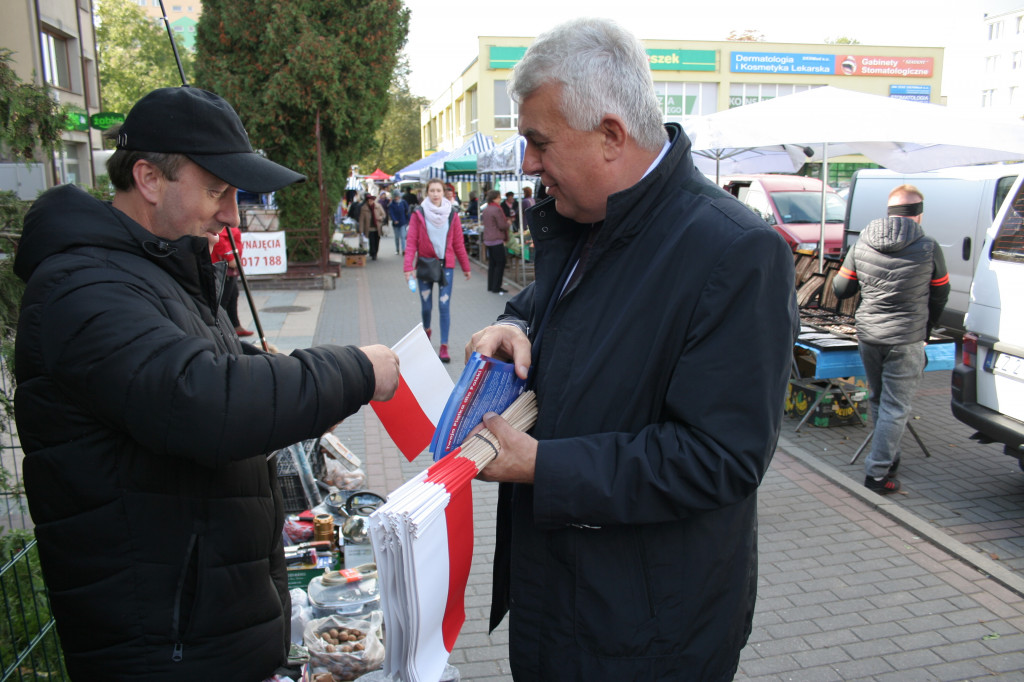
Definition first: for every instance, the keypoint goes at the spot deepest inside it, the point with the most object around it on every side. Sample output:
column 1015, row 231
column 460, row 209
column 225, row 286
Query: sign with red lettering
column 263, row 253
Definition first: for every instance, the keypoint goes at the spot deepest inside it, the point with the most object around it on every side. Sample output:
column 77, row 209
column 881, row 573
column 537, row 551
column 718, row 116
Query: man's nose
column 531, row 160
column 228, row 214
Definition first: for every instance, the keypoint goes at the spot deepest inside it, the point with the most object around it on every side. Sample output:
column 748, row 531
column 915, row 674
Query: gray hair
column 603, row 69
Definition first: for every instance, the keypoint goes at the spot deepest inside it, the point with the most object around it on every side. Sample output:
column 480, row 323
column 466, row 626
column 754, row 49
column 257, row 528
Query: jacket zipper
column 176, row 653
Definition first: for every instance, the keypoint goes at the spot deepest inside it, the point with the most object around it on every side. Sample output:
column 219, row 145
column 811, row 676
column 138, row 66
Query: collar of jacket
column 622, row 219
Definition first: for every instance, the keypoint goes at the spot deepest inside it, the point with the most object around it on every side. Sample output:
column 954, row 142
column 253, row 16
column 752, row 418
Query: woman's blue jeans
column 893, row 373
column 444, row 300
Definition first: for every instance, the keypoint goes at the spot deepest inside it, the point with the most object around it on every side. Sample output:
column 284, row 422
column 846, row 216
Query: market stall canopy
column 379, row 175
column 411, row 173
column 473, row 146
column 908, row 137
column 506, row 157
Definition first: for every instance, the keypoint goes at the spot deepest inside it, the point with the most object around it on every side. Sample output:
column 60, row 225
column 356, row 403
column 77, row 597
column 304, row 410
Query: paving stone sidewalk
column 847, row 589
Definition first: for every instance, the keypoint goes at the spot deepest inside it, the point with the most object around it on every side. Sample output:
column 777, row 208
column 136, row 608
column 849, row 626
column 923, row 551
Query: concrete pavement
column 852, row 586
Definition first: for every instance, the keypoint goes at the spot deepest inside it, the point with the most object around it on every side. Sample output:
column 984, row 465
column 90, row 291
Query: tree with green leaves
column 397, row 142
column 842, row 40
column 29, row 116
column 310, row 80
column 135, row 55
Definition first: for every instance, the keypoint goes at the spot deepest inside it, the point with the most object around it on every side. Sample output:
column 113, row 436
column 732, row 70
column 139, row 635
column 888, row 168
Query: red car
column 792, row 205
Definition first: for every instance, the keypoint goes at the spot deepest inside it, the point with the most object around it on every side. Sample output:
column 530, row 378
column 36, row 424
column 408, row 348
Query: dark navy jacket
column 660, row 376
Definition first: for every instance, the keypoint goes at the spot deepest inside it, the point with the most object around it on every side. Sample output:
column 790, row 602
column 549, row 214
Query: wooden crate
column 355, row 261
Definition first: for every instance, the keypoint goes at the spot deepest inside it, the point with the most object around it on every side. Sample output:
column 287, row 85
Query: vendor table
column 828, row 356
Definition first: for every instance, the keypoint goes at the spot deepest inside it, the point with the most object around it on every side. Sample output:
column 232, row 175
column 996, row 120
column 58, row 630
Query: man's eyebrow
column 533, row 135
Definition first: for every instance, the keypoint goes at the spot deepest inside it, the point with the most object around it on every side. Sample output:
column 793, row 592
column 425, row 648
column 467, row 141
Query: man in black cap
column 145, row 422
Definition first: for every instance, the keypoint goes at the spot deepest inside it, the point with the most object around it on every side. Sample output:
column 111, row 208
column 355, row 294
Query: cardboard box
column 336, row 449
column 355, row 261
column 299, row 575
column 834, row 408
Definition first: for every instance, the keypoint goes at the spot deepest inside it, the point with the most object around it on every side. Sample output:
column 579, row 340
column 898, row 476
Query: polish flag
column 423, row 542
column 411, row 417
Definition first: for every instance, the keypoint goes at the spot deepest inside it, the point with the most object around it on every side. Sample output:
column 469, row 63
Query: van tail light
column 969, row 352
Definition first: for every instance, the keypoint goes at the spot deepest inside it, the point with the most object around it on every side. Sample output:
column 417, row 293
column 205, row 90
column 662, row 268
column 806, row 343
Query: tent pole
column 824, row 192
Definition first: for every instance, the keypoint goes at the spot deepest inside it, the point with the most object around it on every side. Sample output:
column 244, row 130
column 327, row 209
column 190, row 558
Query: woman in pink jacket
column 435, row 231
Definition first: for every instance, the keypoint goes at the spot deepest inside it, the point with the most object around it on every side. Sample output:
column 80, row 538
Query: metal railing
column 29, row 647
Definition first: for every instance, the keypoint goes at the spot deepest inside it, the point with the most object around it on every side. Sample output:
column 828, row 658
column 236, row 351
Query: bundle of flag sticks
column 423, row 543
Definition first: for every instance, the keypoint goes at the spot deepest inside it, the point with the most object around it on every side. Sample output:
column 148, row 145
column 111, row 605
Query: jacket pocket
column 614, row 611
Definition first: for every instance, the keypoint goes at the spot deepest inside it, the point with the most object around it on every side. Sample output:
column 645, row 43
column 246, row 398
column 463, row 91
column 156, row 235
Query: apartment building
column 54, row 43
column 1002, row 82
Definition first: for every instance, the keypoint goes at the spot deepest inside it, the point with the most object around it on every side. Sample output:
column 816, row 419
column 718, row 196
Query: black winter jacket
column 145, row 422
column 660, row 376
column 903, row 282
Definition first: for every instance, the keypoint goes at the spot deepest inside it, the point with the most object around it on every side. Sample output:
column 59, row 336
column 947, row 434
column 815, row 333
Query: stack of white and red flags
column 423, row 536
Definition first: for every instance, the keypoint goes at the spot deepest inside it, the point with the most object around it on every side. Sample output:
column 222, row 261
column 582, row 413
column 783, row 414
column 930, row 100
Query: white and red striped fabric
column 423, row 543
column 411, row 417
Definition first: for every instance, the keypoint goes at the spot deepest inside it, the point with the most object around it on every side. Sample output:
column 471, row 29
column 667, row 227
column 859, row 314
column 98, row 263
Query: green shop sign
column 106, row 119
column 505, row 57
column 682, row 60
column 76, row 120
column 660, row 60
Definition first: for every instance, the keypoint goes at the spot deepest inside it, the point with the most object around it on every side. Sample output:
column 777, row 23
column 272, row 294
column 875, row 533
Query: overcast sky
column 443, row 35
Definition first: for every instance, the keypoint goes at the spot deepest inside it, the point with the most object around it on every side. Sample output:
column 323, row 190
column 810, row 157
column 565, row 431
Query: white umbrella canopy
column 909, row 137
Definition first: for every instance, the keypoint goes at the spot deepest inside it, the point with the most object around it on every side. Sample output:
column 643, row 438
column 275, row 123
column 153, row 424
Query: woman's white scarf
column 437, row 224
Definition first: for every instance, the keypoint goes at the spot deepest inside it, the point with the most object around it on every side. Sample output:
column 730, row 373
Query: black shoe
column 884, row 487
column 502, row 291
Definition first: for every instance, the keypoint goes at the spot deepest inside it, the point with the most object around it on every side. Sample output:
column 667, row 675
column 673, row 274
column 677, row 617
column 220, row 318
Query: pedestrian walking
column 435, row 233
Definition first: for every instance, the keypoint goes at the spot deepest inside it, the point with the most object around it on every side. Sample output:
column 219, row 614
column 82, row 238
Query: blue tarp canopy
column 412, row 171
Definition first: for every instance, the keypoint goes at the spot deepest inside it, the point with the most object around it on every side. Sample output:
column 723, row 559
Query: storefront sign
column 903, row 67
column 501, row 57
column 106, row 119
column 783, row 62
column 914, row 93
column 831, row 64
column 673, row 105
column 76, row 120
column 263, row 253
column 505, row 57
column 682, row 60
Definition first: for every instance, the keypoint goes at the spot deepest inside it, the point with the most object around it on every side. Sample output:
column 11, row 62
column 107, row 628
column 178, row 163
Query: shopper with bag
column 434, row 243
column 371, row 223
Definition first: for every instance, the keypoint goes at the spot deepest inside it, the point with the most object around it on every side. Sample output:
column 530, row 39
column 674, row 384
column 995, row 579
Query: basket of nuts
column 345, row 647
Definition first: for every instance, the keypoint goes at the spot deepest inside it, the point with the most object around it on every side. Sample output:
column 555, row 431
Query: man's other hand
column 517, row 453
column 504, row 342
column 385, row 370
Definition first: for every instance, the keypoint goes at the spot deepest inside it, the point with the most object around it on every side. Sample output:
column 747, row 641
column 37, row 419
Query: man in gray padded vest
column 903, row 284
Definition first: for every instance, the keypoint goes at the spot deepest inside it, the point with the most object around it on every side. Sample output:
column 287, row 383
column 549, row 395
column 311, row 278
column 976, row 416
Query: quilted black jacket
column 144, row 422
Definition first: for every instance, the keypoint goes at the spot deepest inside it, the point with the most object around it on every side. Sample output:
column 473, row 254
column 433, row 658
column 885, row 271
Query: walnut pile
column 343, row 640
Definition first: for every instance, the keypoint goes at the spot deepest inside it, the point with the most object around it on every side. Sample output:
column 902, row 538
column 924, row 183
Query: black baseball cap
column 203, row 127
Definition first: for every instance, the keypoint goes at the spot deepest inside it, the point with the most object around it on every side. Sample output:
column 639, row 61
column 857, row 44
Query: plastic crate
column 288, row 477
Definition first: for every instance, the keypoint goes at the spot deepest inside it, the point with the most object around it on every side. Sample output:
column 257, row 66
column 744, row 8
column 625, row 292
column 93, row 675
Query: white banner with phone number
column 263, row 253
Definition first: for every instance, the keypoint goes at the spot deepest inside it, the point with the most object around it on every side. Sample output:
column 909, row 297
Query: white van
column 988, row 382
column 959, row 207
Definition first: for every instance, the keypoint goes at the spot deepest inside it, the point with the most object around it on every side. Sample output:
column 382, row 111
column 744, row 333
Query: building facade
column 183, row 15
column 54, row 42
column 1002, row 83
column 691, row 78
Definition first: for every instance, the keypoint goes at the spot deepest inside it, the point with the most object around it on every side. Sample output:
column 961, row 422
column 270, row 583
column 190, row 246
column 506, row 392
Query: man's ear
column 149, row 180
column 615, row 136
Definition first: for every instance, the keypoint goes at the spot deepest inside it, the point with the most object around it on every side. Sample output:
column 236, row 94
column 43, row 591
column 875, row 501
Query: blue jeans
column 444, row 300
column 894, row 373
column 399, row 238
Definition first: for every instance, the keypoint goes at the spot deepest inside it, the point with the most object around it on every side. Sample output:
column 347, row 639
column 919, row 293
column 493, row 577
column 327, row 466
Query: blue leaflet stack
column 486, row 385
